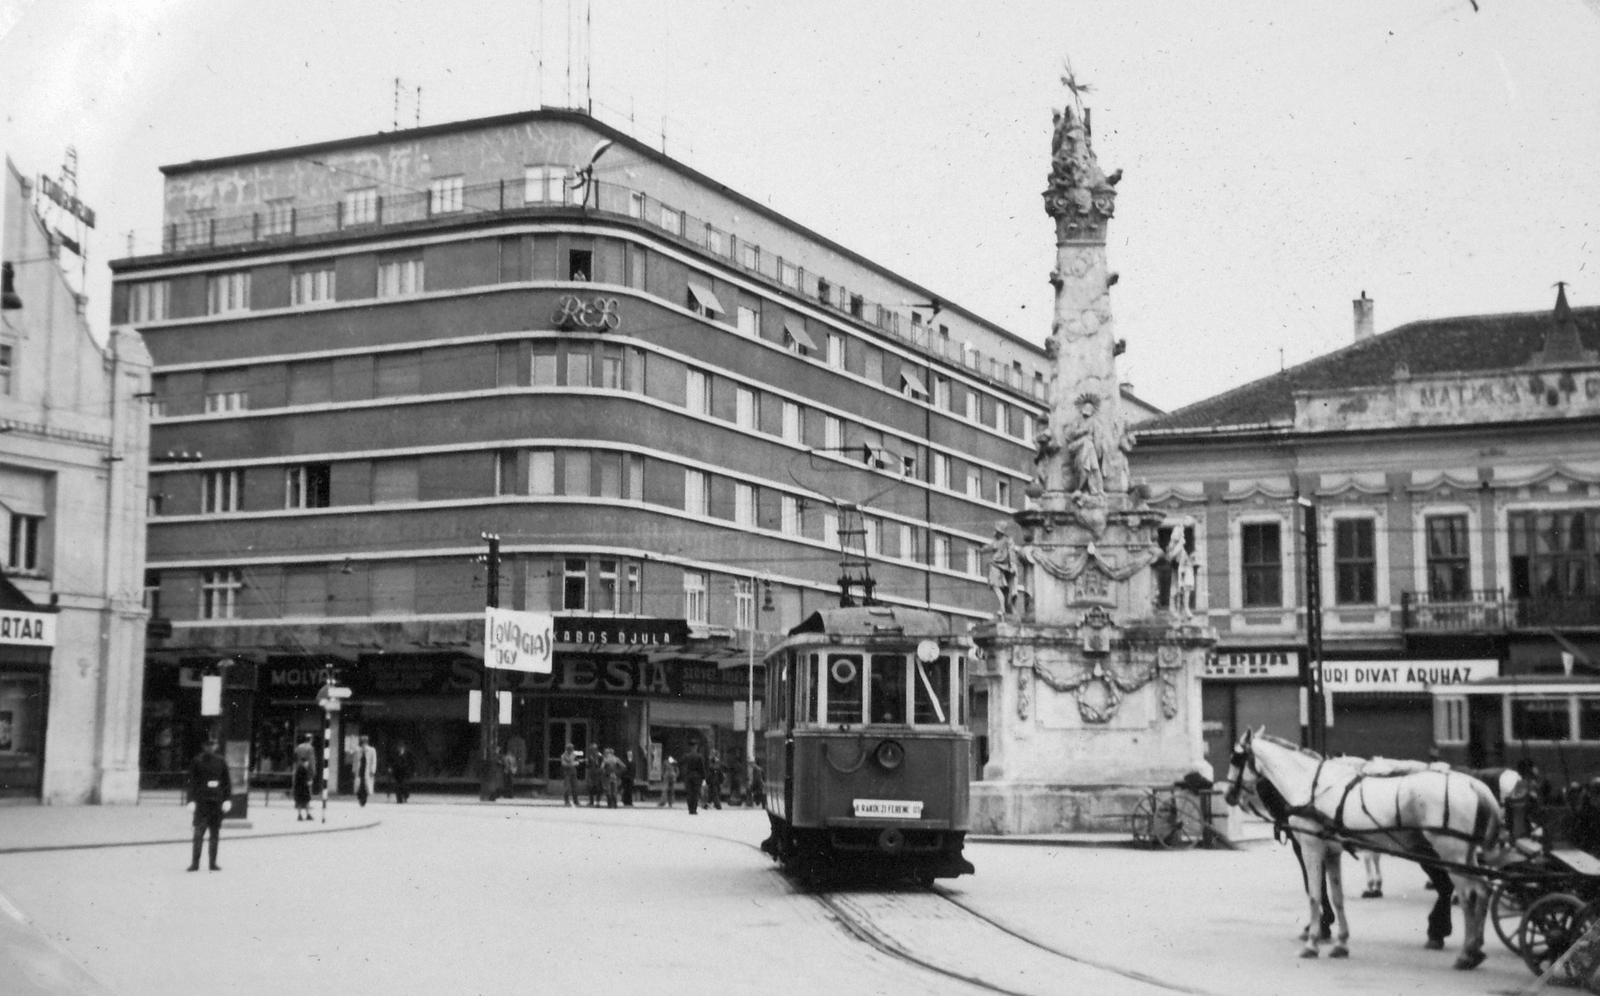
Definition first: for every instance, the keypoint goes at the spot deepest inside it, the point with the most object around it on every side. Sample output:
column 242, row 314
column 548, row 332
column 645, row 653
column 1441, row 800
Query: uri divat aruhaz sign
column 518, row 641
column 1403, row 676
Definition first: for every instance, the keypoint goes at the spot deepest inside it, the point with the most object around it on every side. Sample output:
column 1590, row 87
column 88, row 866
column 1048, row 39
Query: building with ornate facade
column 1453, row 471
column 74, row 425
column 678, row 409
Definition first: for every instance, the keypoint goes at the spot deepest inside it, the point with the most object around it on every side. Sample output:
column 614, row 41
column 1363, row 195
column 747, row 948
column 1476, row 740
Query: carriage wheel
column 1508, row 903
column 1583, row 957
column 1548, row 929
column 1183, row 826
column 1142, row 822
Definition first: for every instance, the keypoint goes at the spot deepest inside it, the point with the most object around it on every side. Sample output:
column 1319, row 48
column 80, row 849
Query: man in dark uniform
column 694, row 772
column 210, row 795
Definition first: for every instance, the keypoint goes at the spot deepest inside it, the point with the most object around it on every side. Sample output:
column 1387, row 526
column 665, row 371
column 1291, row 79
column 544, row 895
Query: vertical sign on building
column 1314, row 704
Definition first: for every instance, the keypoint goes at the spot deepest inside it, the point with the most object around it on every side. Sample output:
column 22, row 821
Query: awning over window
column 705, row 299
column 913, row 383
column 797, row 332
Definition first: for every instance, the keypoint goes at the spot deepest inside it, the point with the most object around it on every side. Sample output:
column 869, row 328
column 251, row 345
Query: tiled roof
column 1469, row 344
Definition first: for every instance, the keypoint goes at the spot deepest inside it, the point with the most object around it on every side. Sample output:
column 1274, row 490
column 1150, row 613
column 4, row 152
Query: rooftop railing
column 367, row 210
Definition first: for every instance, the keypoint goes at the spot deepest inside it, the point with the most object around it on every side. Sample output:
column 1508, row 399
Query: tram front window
column 930, row 692
column 888, row 702
column 845, row 679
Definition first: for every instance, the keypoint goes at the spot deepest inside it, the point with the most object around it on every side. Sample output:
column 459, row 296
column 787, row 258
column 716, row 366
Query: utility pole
column 489, row 703
column 1313, row 732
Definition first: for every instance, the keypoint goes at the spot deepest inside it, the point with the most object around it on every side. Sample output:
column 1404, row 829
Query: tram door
column 559, row 733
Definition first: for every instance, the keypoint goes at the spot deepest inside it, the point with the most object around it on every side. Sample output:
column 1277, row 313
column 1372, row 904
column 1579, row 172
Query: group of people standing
column 607, row 775
column 611, row 777
column 363, row 764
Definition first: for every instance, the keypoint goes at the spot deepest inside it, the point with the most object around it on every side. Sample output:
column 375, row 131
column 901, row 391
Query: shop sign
column 591, row 631
column 297, row 678
column 28, row 629
column 1253, row 664
column 581, row 313
column 517, row 641
column 580, row 675
column 1403, row 676
column 68, row 202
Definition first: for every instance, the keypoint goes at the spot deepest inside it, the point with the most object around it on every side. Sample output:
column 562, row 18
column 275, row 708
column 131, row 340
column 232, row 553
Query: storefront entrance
column 23, row 707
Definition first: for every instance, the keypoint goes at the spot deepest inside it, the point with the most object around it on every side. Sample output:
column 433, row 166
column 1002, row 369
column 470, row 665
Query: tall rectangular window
column 228, row 292
column 1002, row 491
column 697, row 394
column 835, row 351
column 869, row 537
column 1002, row 417
column 610, row 467
column 360, row 207
column 941, row 471
column 941, row 552
column 696, row 492
column 1262, row 564
column 744, row 603
column 832, row 434
column 748, row 322
column 974, row 406
column 278, row 217
column 147, row 301
column 543, row 373
column 830, row 528
column 1355, row 563
column 694, row 597
column 792, row 426
column 1449, row 564
column 1028, row 427
column 313, row 284
column 632, row 591
column 635, row 471
column 1555, row 556
column 227, row 401
column 23, row 554
column 744, row 505
column 544, row 185
column 790, row 519
column 578, row 367
column 541, row 472
column 445, row 195
column 749, row 256
column 908, row 549
column 973, row 560
column 789, row 275
column 611, row 368
column 400, row 277
column 219, row 593
column 575, row 473
column 605, row 596
column 941, row 393
column 307, row 486
column 222, row 491
column 6, row 368
column 744, row 415
column 975, row 484
column 575, row 585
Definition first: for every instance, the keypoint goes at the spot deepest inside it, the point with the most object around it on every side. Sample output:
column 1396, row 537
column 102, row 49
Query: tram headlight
column 889, row 755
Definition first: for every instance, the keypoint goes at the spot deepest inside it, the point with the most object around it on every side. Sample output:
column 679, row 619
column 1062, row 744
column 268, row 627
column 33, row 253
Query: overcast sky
column 1279, row 158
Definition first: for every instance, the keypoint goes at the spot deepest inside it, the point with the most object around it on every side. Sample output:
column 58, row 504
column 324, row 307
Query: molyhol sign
column 518, row 641
column 1403, row 676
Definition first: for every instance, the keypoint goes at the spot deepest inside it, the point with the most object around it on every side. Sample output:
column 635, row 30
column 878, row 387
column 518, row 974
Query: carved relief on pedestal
column 1099, row 682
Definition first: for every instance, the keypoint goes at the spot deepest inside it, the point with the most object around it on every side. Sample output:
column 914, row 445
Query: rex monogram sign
column 587, row 314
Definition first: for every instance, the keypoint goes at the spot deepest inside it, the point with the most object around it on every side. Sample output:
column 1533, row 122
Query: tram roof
column 867, row 621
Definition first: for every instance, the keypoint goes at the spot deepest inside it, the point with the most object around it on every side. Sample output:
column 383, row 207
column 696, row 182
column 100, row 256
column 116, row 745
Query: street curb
column 181, row 840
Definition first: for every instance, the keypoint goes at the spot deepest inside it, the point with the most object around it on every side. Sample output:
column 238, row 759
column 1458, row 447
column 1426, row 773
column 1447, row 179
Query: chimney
column 1363, row 308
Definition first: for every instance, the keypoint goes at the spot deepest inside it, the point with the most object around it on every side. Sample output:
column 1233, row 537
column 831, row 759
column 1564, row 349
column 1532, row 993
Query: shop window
column 1588, row 719
column 575, row 585
column 845, row 680
column 887, row 703
column 1540, row 719
column 1261, row 559
column 23, row 552
column 1355, row 566
column 1449, row 564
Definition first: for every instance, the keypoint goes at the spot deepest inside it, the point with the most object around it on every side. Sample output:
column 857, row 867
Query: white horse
column 1426, row 814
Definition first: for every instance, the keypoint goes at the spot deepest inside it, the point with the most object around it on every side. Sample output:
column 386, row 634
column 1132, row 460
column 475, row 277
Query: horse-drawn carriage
column 1536, row 878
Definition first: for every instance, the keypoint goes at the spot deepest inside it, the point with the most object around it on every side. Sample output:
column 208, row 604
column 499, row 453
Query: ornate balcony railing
column 1547, row 613
column 1475, row 611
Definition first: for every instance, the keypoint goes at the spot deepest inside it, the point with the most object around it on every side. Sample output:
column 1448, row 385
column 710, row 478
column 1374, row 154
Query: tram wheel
column 1548, row 929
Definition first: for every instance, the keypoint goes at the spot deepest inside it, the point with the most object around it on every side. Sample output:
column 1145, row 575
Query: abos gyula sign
column 518, row 641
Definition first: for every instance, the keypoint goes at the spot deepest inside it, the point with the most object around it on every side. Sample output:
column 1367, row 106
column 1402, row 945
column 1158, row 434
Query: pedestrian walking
column 669, row 781
column 302, row 779
column 401, row 767
column 627, row 779
column 758, row 785
column 714, row 775
column 365, row 766
column 569, row 776
column 595, row 775
column 694, row 775
column 508, row 773
column 611, row 769
column 210, row 796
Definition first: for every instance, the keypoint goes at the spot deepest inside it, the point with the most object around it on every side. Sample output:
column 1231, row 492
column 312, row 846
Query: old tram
column 868, row 746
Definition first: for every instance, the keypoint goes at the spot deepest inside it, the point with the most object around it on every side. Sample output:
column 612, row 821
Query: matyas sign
column 1403, row 676
column 28, row 629
column 1566, row 392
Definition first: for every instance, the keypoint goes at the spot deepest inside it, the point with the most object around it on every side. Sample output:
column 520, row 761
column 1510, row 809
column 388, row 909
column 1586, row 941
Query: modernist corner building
column 1453, row 466
column 73, row 439
column 678, row 409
